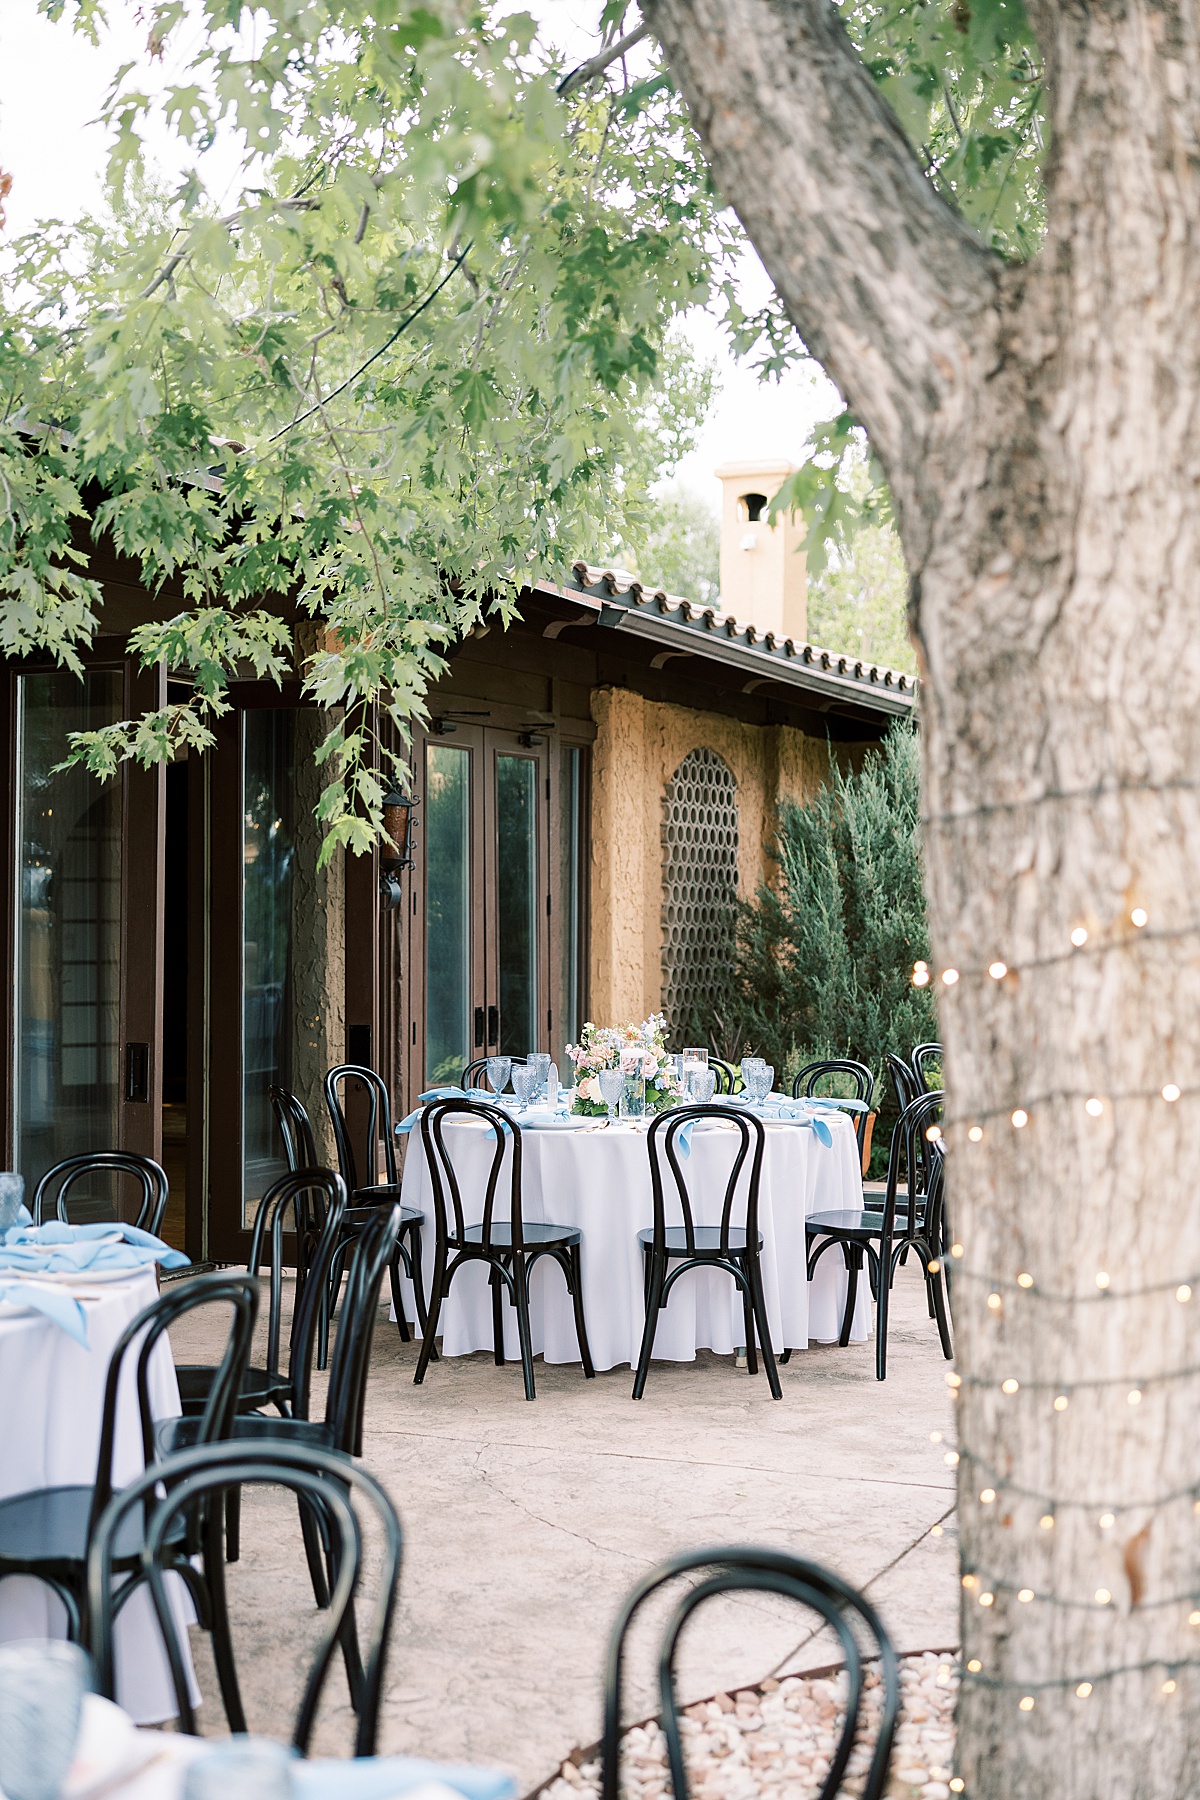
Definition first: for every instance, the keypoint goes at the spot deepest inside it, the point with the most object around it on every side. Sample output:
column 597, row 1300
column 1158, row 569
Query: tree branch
column 596, row 65
column 885, row 284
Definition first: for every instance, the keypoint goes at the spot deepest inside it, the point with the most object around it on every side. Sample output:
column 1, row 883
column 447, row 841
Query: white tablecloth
column 599, row 1181
column 51, row 1402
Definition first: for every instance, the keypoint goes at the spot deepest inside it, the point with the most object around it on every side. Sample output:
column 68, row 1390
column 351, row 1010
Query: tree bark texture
column 1041, row 432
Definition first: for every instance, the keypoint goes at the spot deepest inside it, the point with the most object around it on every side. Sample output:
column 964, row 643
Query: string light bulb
column 920, row 975
column 986, row 1599
column 970, row 1582
column 987, row 1496
column 1026, row 1703
column 956, row 1250
column 1024, row 1279
column 1011, row 1386
column 1093, row 1107
column 1020, row 1119
column 974, row 1666
column 1183, row 1293
column 1168, row 1687
column 994, row 1302
column 1139, row 916
column 998, row 970
column 1194, row 1618
column 1102, row 1278
column 1134, row 1396
column 1079, row 936
column 1061, row 1403
column 1103, row 1597
column 1083, row 1690
column 1171, row 1092
column 1025, row 1595
column 975, row 1134
column 1106, row 1521
column 951, row 1459
column 957, row 1784
column 1047, row 1521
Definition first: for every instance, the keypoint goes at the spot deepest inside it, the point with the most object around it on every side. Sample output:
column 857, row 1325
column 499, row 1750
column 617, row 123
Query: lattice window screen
column 700, row 844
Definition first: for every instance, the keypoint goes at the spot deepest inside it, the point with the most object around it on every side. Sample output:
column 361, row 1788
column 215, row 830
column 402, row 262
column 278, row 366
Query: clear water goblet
column 42, row 1684
column 760, row 1083
column 612, row 1086
column 525, row 1084
column 633, row 1097
column 498, row 1070
column 244, row 1768
column 701, row 1084
column 540, row 1062
column 748, row 1064
column 12, row 1197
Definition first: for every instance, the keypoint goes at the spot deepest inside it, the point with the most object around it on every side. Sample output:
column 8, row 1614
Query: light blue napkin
column 58, row 1304
column 56, row 1248
column 382, row 1777
column 793, row 1113
column 829, row 1101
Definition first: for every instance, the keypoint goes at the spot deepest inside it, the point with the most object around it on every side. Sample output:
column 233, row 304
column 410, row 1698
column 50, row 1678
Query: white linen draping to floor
column 599, row 1180
column 51, row 1402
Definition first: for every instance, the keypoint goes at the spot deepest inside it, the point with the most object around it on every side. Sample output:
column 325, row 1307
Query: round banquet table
column 599, row 1181
column 51, row 1401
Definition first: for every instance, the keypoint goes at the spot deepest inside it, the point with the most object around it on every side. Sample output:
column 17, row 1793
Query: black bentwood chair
column 370, row 1194
column 510, row 1247
column 927, row 1062
column 911, row 1220
column 317, row 1200
column 846, row 1073
column 473, row 1074
column 47, row 1533
column 734, row 1248
column 50, row 1197
column 320, row 1481
column 340, row 1430
column 741, row 1569
column 904, row 1080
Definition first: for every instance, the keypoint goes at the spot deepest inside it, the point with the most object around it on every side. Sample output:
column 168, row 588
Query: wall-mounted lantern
column 399, row 825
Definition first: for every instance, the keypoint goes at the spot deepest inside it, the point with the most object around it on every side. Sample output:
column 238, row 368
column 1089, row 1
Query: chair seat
column 853, row 1222
column 536, row 1236
column 259, row 1388
column 382, row 1193
column 707, row 1239
column 171, row 1435
column 49, row 1528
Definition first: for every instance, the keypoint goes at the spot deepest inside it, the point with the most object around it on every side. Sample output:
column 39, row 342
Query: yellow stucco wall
column 639, row 745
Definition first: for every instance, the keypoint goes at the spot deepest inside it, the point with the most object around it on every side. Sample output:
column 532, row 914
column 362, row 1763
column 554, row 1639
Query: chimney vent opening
column 753, row 506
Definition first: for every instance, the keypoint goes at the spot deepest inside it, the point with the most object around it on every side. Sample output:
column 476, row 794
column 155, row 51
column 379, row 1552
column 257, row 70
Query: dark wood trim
column 228, row 1241
column 143, row 875
column 199, row 867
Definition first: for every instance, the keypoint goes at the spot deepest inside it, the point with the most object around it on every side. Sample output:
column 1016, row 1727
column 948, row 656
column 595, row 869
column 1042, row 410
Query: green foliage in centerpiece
column 638, row 1049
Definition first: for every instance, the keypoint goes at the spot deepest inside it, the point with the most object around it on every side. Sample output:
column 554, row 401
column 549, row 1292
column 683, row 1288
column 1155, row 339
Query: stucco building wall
column 639, row 745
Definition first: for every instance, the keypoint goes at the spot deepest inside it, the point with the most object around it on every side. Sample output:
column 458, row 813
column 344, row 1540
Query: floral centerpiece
column 637, row 1049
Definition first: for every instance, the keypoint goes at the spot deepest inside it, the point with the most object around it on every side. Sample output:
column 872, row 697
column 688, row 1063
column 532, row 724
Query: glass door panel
column 268, row 848
column 448, row 999
column 516, row 890
column 67, row 1051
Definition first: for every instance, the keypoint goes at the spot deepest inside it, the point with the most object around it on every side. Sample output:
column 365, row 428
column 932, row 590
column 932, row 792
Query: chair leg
column 884, row 1282
column 576, row 1284
column 657, row 1277
column 314, row 1551
column 520, row 1272
column 222, row 1639
column 415, row 1272
column 748, row 1328
column 329, row 1301
column 937, row 1306
column 233, row 1524
column 497, row 1316
column 431, row 1323
column 397, row 1294
column 760, row 1312
column 853, row 1265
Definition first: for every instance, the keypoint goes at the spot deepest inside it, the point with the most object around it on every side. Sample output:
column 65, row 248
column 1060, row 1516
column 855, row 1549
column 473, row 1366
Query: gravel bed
column 778, row 1739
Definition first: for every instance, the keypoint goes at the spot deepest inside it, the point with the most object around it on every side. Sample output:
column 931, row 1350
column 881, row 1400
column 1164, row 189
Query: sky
column 52, row 85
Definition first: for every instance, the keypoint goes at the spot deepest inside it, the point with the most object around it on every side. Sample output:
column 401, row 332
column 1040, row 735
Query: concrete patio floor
column 526, row 1524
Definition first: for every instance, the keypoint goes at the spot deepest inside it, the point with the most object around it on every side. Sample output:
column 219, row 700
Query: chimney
column 762, row 566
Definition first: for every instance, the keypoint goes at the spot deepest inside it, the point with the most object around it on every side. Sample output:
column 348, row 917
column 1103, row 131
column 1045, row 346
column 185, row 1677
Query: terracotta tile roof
column 705, row 631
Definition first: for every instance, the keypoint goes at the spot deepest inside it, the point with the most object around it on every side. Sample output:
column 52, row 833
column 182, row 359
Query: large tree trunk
column 1041, row 434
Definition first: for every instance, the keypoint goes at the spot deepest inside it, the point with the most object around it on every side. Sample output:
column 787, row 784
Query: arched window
column 699, row 891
